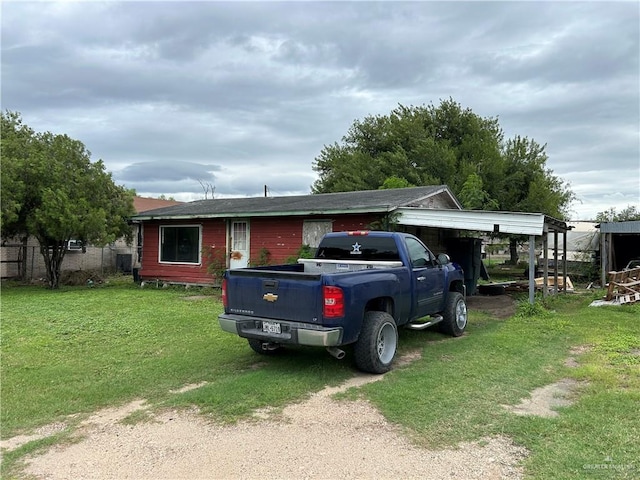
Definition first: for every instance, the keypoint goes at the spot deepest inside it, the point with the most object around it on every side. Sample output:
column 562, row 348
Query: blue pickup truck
column 359, row 289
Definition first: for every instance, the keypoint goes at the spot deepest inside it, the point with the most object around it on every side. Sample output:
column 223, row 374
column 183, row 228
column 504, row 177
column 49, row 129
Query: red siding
column 281, row 236
column 353, row 222
column 213, row 235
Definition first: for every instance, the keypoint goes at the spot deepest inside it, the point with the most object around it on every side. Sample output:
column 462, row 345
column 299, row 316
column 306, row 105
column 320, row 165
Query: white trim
column 160, row 232
column 230, row 239
column 478, row 220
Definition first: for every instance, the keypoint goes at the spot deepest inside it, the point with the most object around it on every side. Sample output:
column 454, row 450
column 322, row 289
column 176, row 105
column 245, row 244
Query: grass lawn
column 76, row 350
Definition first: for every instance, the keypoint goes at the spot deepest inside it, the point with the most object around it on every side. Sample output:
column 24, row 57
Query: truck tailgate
column 293, row 296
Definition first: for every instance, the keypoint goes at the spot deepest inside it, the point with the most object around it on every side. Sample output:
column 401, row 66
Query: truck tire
column 454, row 315
column 256, row 346
column 376, row 346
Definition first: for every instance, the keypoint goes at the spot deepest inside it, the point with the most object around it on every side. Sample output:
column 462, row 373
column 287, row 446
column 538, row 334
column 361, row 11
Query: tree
column 528, row 186
column 422, row 145
column 16, row 143
column 449, row 145
column 52, row 190
column 627, row 214
column 395, row 182
column 208, row 188
column 473, row 196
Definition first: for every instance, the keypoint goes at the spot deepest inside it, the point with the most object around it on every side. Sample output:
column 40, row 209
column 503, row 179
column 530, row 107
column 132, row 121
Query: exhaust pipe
column 336, row 352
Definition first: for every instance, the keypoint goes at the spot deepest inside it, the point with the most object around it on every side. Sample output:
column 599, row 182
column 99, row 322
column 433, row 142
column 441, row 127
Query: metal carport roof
column 513, row 223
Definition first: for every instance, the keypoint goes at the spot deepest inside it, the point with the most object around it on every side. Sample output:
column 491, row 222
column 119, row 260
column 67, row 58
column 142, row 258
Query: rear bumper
column 291, row 332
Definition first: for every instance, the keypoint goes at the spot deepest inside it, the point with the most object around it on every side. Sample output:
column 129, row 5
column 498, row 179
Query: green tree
column 528, row 186
column 15, row 147
column 445, row 144
column 473, row 196
column 395, row 182
column 627, row 214
column 53, row 191
column 423, row 145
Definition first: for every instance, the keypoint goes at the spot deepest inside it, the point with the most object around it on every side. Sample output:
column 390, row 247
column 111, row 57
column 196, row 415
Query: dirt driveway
column 320, row 438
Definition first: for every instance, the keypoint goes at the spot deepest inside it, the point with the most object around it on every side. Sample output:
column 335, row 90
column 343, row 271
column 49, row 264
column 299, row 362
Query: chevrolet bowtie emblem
column 270, row 297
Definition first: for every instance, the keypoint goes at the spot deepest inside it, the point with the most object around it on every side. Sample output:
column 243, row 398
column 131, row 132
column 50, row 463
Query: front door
column 239, row 242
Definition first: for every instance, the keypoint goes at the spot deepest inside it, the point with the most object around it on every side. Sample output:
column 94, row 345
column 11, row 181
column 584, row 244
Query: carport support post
column 532, row 268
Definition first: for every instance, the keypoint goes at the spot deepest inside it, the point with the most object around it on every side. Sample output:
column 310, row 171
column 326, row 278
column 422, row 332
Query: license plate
column 271, row 327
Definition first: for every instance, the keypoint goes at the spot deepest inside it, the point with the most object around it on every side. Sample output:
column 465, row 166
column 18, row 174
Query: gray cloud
column 167, row 170
column 246, row 94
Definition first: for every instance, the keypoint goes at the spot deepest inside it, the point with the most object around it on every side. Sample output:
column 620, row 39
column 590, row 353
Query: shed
column 619, row 243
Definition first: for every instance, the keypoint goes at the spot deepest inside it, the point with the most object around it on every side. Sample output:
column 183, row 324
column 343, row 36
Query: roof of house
column 142, row 204
column 366, row 201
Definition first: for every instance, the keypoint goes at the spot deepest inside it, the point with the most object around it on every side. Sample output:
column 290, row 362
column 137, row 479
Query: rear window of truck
column 358, row 248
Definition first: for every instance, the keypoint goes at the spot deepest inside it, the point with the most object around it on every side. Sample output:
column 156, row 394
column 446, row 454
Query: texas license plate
column 271, row 327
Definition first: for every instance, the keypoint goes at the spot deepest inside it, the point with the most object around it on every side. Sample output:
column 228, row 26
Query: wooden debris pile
column 551, row 283
column 624, row 286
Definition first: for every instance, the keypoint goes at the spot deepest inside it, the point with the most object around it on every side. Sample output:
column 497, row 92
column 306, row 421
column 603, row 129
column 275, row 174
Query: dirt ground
column 498, row 306
column 320, row 438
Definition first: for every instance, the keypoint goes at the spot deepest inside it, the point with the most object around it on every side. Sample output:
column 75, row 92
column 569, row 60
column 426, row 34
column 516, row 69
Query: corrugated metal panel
column 620, row 227
column 484, row 221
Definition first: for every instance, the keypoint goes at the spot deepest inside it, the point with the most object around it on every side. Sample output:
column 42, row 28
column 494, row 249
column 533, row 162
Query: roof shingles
column 341, row 202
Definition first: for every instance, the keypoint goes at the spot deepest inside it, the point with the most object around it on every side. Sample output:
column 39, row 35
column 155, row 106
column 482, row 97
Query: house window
column 180, row 244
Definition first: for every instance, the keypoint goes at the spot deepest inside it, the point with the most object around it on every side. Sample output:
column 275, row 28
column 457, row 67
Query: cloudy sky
column 176, row 95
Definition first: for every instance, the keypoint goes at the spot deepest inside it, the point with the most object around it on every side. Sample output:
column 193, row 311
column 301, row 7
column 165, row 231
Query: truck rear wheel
column 258, row 347
column 454, row 316
column 376, row 346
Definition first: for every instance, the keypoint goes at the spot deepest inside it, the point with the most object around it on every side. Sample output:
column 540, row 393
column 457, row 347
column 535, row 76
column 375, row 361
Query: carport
column 515, row 223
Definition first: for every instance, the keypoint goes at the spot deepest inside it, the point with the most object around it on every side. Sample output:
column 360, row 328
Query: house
column 185, row 243
column 194, row 242
column 118, row 256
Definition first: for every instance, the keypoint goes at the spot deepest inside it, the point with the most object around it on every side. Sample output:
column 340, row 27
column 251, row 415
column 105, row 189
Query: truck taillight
column 358, row 233
column 333, row 302
column 225, row 300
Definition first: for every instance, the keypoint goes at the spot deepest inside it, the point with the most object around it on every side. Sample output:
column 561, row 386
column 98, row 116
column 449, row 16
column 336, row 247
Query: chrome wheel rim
column 461, row 315
column 386, row 343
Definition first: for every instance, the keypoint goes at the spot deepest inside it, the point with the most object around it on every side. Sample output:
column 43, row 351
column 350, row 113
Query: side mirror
column 443, row 259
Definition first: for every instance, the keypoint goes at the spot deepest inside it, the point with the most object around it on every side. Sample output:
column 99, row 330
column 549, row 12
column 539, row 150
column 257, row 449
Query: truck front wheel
column 454, row 316
column 376, row 346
